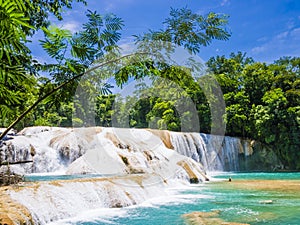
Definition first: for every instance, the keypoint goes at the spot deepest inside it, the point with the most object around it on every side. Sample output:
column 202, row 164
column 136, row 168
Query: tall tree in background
column 262, row 102
column 277, row 117
column 229, row 74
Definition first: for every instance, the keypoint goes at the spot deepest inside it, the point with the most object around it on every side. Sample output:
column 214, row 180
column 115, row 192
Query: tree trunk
column 13, row 163
column 61, row 86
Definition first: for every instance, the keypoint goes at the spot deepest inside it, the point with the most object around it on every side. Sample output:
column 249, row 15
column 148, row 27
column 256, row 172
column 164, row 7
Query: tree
column 277, row 117
column 39, row 11
column 229, row 73
column 237, row 114
column 92, row 43
column 67, row 70
column 190, row 30
column 104, row 110
column 18, row 19
column 17, row 68
column 14, row 57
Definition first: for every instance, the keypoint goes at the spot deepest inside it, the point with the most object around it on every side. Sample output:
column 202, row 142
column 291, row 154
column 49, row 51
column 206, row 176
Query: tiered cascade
column 216, row 153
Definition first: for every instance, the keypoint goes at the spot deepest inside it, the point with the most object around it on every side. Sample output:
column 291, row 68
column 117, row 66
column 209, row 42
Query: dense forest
column 262, row 101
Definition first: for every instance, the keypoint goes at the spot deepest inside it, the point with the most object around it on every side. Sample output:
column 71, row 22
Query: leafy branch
column 63, row 85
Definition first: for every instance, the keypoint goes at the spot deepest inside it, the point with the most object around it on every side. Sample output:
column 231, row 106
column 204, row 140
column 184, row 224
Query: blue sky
column 264, row 29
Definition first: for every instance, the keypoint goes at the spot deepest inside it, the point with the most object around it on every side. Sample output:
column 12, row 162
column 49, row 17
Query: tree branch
column 61, row 86
column 12, row 163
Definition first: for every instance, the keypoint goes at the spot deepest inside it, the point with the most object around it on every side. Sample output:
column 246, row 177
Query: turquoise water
column 42, row 177
column 234, row 204
column 259, row 176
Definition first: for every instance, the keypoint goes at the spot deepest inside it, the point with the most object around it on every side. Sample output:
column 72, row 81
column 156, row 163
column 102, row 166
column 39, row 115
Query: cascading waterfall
column 138, row 164
column 216, row 153
column 33, row 144
column 52, row 201
column 54, row 149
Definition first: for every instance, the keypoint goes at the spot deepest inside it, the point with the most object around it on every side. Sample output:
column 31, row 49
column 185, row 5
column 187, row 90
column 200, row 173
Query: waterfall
column 136, row 165
column 33, row 144
column 215, row 153
column 55, row 200
column 67, row 149
column 99, row 150
column 131, row 150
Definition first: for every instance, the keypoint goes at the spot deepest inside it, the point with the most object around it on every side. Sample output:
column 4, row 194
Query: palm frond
column 12, row 36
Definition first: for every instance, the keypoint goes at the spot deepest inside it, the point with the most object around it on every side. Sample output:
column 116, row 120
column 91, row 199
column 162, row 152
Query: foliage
column 18, row 19
column 14, row 57
column 40, row 10
column 190, row 30
column 69, row 66
column 262, row 101
column 104, row 110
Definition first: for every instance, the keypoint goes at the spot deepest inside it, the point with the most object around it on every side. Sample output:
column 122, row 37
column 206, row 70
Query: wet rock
column 207, row 218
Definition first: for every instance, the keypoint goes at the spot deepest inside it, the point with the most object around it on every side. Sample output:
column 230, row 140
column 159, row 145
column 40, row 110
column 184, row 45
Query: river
column 145, row 178
column 250, row 198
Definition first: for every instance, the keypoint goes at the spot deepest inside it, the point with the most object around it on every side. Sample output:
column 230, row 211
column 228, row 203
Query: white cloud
column 74, row 12
column 212, row 7
column 225, row 2
column 127, row 45
column 283, row 44
column 112, row 5
column 296, row 33
column 262, row 39
column 73, row 26
column 258, row 49
column 282, row 35
column 290, row 24
column 44, row 59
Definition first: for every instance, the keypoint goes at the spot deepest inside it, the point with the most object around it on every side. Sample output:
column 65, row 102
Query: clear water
column 46, row 177
column 235, row 204
column 259, row 176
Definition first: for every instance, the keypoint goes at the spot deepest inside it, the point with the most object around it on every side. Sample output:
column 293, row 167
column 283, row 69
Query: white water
column 171, row 196
column 51, row 201
column 55, row 149
column 114, row 152
column 216, row 153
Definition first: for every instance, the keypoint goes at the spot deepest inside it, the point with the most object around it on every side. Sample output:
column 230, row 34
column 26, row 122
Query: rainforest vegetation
column 262, row 100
